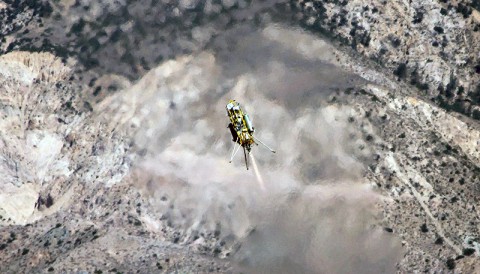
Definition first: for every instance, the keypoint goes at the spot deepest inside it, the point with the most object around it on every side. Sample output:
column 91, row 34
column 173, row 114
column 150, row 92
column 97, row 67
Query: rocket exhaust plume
column 257, row 173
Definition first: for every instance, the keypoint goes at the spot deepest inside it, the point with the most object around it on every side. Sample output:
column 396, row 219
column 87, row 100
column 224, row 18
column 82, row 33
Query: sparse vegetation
column 401, row 71
column 451, row 263
column 438, row 29
column 399, row 139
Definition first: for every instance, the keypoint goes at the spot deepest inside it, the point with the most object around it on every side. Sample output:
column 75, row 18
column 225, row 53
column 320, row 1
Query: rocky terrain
column 114, row 148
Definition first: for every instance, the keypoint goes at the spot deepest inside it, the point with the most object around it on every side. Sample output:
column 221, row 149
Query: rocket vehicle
column 242, row 130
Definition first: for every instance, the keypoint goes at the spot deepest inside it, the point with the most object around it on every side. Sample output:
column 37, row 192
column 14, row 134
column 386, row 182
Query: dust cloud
column 305, row 209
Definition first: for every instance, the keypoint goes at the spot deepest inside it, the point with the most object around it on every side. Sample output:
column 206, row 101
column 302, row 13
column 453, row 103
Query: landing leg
column 235, row 150
column 256, row 139
column 246, row 159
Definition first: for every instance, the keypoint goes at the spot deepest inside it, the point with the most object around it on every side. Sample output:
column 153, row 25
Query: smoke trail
column 257, row 173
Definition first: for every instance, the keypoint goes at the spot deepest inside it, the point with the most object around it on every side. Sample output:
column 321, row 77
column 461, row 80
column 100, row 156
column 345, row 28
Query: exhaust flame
column 257, row 173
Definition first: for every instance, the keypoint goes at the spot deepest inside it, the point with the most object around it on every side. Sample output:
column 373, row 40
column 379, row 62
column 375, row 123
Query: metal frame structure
column 242, row 130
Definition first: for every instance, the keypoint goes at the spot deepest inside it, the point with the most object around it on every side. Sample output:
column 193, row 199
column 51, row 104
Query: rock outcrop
column 121, row 166
column 431, row 45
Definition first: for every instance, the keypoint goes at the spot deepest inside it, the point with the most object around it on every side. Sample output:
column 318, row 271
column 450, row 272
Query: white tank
column 248, row 122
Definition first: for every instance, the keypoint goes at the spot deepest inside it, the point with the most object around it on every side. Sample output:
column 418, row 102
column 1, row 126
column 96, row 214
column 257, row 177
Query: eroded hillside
column 124, row 168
